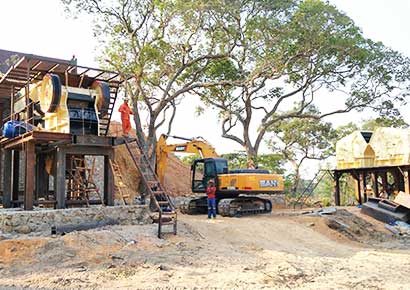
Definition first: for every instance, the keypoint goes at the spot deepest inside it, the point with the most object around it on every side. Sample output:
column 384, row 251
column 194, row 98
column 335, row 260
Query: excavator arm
column 194, row 145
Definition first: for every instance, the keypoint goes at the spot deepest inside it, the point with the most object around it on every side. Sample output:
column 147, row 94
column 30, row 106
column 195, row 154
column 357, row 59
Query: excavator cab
column 205, row 169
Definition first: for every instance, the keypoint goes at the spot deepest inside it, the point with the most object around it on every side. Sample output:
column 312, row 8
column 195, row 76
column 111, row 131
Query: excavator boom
column 195, row 146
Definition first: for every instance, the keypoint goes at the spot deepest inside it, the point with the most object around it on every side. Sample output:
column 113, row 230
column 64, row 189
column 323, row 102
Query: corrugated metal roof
column 33, row 68
column 5, row 56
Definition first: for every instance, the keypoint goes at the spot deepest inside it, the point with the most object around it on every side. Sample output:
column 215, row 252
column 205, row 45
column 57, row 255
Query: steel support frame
column 401, row 175
column 60, row 165
column 30, row 165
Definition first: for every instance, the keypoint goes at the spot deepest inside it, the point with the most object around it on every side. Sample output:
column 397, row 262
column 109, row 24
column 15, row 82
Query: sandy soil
column 272, row 251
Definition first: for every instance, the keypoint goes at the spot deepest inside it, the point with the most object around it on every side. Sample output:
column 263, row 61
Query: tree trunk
column 296, row 182
column 252, row 157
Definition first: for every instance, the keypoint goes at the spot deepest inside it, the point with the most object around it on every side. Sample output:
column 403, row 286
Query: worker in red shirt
column 210, row 191
column 125, row 117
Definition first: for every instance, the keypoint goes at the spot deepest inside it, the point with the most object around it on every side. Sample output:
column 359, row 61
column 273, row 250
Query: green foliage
column 189, row 159
column 246, row 59
column 287, row 51
column 324, row 191
column 371, row 124
column 303, row 138
column 165, row 45
column 272, row 162
column 299, row 140
column 345, row 130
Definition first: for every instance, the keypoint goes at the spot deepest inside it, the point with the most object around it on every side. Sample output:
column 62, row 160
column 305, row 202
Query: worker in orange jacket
column 125, row 111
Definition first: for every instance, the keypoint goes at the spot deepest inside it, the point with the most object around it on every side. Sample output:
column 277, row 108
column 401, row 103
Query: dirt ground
column 281, row 250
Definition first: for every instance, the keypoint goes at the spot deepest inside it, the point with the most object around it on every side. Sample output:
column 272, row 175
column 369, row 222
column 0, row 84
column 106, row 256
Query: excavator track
column 194, row 206
column 230, row 207
column 244, row 205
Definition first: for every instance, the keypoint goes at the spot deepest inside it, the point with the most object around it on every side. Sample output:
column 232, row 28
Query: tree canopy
column 164, row 45
column 287, row 53
column 300, row 140
column 258, row 62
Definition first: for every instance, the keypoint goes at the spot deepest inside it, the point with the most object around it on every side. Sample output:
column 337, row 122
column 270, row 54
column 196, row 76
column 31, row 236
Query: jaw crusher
column 67, row 109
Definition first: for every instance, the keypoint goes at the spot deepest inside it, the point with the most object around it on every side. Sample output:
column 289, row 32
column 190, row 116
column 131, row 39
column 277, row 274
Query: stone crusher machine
column 59, row 108
column 66, row 109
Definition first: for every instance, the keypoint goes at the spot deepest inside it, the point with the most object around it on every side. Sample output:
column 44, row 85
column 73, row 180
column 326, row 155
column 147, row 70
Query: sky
column 41, row 27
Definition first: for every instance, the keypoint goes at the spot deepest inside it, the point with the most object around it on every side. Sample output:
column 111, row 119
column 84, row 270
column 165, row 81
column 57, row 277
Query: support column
column 375, row 184
column 364, row 187
column 16, row 175
column 59, row 178
column 358, row 186
column 337, row 189
column 42, row 177
column 7, row 179
column 384, row 182
column 398, row 180
column 1, row 151
column 29, row 175
column 1, row 167
column 108, row 182
column 407, row 181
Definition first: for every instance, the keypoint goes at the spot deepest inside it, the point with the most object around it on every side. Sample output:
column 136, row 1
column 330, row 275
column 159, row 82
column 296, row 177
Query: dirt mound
column 349, row 224
column 355, row 228
column 177, row 176
column 129, row 172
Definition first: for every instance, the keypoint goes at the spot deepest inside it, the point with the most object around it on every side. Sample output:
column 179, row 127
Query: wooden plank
column 59, row 178
column 93, row 140
column 29, row 176
column 403, row 199
column 37, row 136
column 7, row 179
column 89, row 150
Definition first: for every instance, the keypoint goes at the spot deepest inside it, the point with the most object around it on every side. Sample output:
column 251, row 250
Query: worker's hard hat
column 211, row 181
column 126, row 99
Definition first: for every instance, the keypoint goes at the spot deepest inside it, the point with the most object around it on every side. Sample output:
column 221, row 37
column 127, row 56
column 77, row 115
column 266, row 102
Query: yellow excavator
column 234, row 187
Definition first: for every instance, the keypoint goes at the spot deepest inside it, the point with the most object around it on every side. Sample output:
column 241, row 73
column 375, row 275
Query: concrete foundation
column 41, row 221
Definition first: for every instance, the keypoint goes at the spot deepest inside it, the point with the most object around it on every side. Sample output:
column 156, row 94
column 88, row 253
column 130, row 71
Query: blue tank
column 13, row 129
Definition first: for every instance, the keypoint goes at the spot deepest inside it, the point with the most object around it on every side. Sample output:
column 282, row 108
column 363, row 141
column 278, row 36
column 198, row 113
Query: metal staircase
column 106, row 119
column 310, row 188
column 161, row 204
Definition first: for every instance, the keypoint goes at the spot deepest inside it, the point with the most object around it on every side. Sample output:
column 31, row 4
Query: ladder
column 106, row 119
column 160, row 201
column 119, row 182
column 81, row 182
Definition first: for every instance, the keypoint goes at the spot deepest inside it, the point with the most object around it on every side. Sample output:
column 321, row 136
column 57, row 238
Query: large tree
column 287, row 52
column 300, row 140
column 164, row 45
